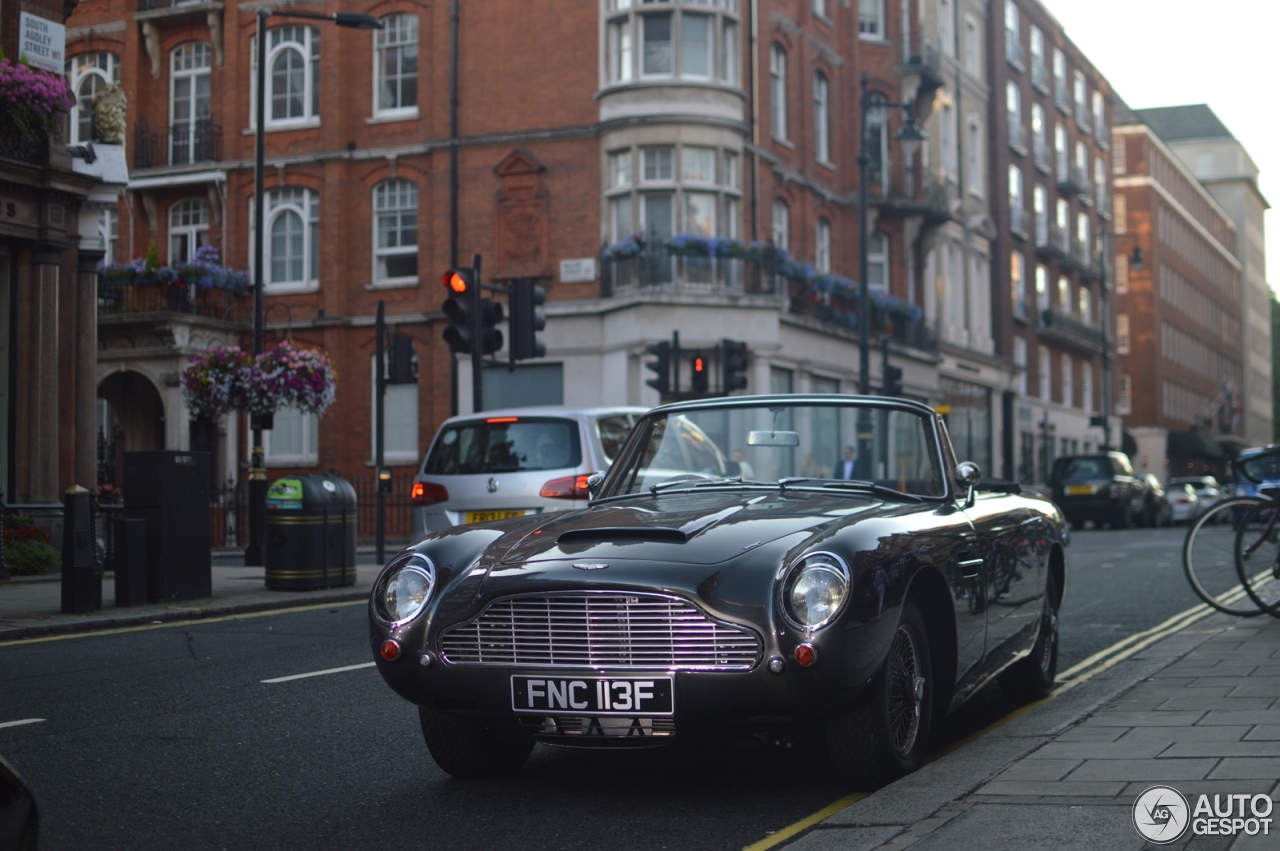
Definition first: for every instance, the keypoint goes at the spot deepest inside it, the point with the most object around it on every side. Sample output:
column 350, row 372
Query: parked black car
column 1102, row 488
column 19, row 819
column 685, row 601
column 1157, row 509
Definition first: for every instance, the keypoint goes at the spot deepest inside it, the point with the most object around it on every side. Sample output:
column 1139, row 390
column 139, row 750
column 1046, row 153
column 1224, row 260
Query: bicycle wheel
column 1208, row 556
column 1257, row 549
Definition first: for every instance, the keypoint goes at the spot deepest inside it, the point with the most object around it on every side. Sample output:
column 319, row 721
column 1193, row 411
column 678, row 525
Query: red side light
column 570, row 487
column 390, row 650
column 806, row 655
column 427, row 493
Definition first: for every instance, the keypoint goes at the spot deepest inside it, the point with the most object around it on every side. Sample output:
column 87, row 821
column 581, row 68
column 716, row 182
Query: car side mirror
column 594, row 481
column 968, row 474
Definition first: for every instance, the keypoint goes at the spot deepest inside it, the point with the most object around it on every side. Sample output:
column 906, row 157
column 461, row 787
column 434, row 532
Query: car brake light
column 427, row 493
column 570, row 487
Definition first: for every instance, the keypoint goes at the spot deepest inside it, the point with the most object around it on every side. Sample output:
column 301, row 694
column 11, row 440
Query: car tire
column 474, row 748
column 1032, row 677
column 1123, row 520
column 886, row 735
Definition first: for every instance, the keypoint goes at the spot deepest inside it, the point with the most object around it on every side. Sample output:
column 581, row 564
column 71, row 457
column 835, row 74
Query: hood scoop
column 597, row 534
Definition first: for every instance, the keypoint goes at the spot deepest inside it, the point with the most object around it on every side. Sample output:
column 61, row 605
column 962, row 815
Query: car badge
column 589, row 565
column 493, row 486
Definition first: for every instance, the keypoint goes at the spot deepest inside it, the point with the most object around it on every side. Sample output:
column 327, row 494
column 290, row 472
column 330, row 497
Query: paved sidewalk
column 1198, row 711
column 31, row 606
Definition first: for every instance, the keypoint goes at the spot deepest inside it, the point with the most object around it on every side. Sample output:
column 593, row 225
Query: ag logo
column 1161, row 815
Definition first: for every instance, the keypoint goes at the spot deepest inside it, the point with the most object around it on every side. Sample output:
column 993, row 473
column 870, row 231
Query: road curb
column 908, row 810
column 170, row 615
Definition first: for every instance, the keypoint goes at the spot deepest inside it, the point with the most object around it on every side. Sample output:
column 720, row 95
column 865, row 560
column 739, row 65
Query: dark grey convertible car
column 749, row 566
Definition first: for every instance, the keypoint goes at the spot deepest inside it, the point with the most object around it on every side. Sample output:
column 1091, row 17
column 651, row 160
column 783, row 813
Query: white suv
column 507, row 463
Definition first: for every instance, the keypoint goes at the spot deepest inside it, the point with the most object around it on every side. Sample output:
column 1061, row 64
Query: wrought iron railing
column 922, row 56
column 910, row 190
column 121, row 299
column 1013, row 49
column 656, row 266
column 1039, row 73
column 180, row 144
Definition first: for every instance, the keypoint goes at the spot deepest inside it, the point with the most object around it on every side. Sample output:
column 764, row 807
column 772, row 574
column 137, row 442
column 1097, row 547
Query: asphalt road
column 168, row 738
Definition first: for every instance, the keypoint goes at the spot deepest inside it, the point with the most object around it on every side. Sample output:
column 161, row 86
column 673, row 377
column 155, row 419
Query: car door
column 1007, row 532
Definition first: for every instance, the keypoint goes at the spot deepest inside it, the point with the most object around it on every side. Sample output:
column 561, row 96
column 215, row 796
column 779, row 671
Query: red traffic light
column 699, row 365
column 456, row 280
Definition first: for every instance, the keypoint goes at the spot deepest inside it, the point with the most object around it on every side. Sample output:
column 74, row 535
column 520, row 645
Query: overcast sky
column 1225, row 53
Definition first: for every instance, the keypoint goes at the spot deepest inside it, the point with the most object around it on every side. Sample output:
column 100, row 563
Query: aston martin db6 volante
column 761, row 567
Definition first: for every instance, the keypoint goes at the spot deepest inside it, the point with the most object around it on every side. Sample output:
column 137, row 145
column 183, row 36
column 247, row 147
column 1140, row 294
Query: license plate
column 593, row 695
column 1080, row 490
column 484, row 516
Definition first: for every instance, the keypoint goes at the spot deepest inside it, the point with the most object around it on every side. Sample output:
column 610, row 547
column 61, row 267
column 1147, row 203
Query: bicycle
column 1256, row 549
column 1209, row 555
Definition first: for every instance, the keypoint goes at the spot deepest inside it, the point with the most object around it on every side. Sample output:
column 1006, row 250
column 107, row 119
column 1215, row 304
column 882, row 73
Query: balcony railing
column 1042, row 230
column 1074, row 181
column 152, row 5
column 1017, row 134
column 1040, row 74
column 179, row 144
column 1017, row 216
column 899, row 190
column 1013, row 51
column 1084, row 118
column 656, row 268
column 1054, row 243
column 1059, row 326
column 1040, row 148
column 1061, row 95
column 922, row 57
column 1100, row 134
column 141, row 299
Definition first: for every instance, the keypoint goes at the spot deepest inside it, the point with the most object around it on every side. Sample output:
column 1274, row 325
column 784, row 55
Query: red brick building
column 665, row 118
column 1179, row 320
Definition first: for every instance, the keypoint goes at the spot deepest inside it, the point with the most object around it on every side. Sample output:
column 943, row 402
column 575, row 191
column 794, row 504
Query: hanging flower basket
column 32, row 101
column 287, row 376
column 214, row 383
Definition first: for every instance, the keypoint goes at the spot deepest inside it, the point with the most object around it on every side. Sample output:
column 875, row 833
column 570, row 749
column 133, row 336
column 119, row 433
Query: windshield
column 505, row 445
column 779, row 440
column 1075, row 469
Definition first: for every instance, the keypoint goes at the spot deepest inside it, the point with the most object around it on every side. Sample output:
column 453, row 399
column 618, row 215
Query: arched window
column 293, row 80
column 778, row 90
column 291, row 243
column 395, row 69
column 188, row 229
column 821, row 118
column 89, row 73
column 395, row 209
column 191, row 137
column 878, row 263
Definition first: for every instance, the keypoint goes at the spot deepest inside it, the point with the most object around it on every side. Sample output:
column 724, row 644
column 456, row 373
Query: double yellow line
column 1068, row 679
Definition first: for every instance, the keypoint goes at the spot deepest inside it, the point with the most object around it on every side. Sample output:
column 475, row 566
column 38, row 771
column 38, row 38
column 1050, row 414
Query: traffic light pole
column 477, row 331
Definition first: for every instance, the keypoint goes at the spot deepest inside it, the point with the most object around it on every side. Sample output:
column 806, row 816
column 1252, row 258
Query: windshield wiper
column 848, row 484
column 703, row 483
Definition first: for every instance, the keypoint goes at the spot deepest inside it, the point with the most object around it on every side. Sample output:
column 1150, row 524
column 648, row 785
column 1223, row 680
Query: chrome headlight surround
column 404, row 589
column 818, row 568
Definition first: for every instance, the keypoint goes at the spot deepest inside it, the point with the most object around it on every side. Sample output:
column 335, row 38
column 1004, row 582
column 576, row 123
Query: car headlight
column 816, row 589
column 405, row 588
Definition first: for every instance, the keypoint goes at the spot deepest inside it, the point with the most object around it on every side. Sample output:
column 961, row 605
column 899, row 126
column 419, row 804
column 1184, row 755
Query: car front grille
column 600, row 630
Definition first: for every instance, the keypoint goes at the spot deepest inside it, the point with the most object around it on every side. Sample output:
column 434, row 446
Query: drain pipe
column 755, row 121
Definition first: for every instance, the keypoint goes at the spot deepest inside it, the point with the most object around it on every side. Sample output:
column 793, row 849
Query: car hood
column 690, row 528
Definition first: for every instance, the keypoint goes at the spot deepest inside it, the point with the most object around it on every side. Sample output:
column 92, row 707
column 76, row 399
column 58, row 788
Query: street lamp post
column 1135, row 264
column 255, row 551
column 910, row 136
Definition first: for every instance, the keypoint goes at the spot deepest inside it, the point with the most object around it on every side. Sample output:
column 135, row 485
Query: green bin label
column 285, row 495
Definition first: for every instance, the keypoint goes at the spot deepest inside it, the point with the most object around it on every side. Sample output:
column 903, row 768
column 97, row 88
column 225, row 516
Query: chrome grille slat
column 600, row 630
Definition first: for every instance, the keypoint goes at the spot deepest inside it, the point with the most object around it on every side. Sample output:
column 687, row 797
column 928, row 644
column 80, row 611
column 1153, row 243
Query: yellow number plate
column 1080, row 490
column 484, row 516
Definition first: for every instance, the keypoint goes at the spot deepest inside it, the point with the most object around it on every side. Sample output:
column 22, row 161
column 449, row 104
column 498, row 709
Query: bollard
column 130, row 557
column 81, row 571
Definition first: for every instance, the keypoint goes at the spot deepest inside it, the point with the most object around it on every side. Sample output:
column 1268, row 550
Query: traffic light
column 733, row 365
column 699, row 381
column 490, row 316
column 660, row 366
column 459, row 308
column 892, row 380
column 526, row 319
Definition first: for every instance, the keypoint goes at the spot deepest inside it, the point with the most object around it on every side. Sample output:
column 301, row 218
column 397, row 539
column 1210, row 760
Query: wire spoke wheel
column 905, row 691
column 1257, row 556
column 1209, row 556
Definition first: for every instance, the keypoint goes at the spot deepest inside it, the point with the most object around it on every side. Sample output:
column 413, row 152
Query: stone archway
column 130, row 419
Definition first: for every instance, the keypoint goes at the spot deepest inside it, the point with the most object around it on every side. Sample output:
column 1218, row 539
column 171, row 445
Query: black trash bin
column 311, row 533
